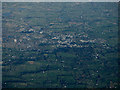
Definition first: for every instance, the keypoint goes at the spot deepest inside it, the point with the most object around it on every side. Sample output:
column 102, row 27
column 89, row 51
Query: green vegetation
column 60, row 45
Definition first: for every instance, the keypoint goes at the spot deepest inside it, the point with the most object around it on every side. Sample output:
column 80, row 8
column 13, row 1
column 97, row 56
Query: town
column 59, row 45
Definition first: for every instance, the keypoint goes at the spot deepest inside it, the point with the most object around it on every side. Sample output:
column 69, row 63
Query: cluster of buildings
column 59, row 39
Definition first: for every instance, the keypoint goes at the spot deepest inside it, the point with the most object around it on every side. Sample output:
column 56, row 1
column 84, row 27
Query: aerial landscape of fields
column 59, row 45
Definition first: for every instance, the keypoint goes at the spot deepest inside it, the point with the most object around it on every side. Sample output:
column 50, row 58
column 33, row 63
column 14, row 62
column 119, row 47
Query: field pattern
column 60, row 45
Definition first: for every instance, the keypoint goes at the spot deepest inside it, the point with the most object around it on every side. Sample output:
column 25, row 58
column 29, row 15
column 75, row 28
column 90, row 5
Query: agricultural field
column 59, row 45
